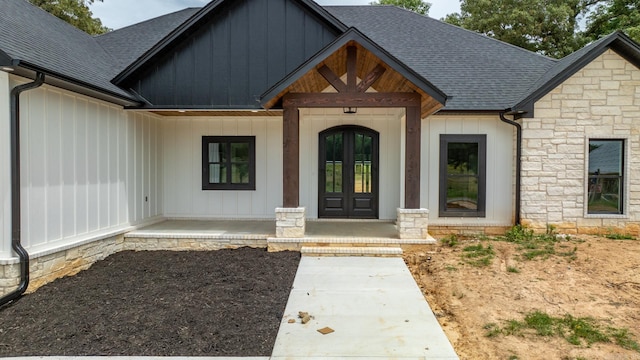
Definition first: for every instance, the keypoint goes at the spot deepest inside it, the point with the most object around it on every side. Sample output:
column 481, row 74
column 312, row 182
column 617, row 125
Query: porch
column 321, row 237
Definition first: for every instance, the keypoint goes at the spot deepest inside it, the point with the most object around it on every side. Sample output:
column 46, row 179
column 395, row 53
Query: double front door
column 348, row 176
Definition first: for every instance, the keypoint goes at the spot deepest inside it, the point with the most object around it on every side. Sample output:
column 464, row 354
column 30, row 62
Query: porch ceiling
column 218, row 113
column 391, row 80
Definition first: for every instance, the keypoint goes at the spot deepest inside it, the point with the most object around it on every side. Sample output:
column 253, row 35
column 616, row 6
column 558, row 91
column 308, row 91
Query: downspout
column 518, row 161
column 15, row 189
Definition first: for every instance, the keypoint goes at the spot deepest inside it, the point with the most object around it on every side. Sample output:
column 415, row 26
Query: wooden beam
column 412, row 158
column 352, row 68
column 332, row 78
column 291, row 157
column 333, row 100
column 370, row 78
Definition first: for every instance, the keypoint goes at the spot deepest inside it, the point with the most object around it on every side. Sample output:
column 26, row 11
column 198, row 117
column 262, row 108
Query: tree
column 75, row 12
column 612, row 15
column 549, row 27
column 418, row 6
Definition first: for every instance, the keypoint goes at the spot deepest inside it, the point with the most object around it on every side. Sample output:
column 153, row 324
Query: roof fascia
column 56, row 79
column 617, row 41
column 354, row 34
column 194, row 20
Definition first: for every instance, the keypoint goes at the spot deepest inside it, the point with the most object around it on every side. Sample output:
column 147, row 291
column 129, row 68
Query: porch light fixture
column 349, row 110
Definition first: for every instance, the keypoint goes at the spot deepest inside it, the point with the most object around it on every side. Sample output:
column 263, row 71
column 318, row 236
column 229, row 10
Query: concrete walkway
column 373, row 306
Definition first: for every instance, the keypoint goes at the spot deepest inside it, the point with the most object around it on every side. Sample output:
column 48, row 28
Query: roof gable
column 571, row 64
column 227, row 54
column 209, row 12
column 475, row 71
column 395, row 76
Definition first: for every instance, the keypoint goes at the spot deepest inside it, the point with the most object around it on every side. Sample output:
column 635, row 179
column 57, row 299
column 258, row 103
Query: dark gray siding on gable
column 239, row 53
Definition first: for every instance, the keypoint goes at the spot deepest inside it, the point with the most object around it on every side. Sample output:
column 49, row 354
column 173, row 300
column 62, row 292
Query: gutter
column 518, row 163
column 15, row 189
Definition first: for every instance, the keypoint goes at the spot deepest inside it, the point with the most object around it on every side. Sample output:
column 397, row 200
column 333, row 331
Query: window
column 606, row 176
column 462, row 175
column 228, row 163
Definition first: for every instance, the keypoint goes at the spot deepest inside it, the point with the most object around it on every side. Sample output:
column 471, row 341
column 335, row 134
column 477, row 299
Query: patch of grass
column 478, row 255
column 577, row 331
column 513, row 269
column 624, row 339
column 451, row 268
column 616, row 236
column 533, row 245
column 451, row 240
column 492, row 329
column 542, row 323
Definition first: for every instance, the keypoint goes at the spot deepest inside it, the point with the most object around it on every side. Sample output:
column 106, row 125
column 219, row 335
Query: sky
column 120, row 13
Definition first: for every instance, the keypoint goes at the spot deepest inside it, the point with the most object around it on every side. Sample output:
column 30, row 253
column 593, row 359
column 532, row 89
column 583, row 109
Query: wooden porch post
column 412, row 158
column 291, row 157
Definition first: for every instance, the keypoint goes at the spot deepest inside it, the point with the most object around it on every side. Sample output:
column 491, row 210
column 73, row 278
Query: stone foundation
column 290, row 222
column 46, row 268
column 440, row 231
column 413, row 223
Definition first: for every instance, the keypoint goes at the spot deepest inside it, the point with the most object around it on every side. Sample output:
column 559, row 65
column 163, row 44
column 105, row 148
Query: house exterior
column 286, row 110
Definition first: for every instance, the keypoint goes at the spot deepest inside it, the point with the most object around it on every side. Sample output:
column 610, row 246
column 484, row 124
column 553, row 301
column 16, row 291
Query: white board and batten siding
column 182, row 175
column 500, row 166
column 88, row 168
column 5, row 165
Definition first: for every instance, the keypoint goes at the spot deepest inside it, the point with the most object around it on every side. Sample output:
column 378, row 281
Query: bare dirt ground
column 583, row 276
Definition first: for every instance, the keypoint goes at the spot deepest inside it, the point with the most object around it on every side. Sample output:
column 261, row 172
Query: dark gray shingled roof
column 476, row 72
column 43, row 42
column 126, row 45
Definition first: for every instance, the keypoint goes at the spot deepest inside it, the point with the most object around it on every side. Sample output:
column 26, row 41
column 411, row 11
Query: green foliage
column 548, row 27
column 418, row 6
column 577, row 331
column 624, row 339
column 616, row 236
column 478, row 255
column 536, row 246
column 611, row 15
column 450, row 241
column 513, row 269
column 75, row 12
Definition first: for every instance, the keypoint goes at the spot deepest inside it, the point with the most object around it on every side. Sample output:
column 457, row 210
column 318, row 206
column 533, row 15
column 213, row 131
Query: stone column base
column 413, row 223
column 290, row 222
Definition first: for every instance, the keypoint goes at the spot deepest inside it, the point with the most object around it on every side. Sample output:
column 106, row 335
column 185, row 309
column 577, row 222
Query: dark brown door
column 348, row 176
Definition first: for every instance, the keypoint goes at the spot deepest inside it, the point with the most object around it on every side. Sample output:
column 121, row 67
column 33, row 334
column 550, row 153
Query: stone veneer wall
column 47, row 268
column 602, row 100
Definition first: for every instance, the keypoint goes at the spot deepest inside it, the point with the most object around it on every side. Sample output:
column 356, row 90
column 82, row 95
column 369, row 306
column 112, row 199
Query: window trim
column 481, row 140
column 623, row 183
column 227, row 140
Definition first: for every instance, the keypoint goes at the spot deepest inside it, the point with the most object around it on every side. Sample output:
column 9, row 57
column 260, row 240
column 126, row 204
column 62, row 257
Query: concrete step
column 351, row 251
column 296, row 244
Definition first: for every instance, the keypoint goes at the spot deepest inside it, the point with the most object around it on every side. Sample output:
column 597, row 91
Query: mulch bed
column 157, row 303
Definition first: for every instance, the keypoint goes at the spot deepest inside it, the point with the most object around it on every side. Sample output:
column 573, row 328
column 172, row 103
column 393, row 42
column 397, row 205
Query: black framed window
column 606, row 176
column 228, row 163
column 463, row 175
